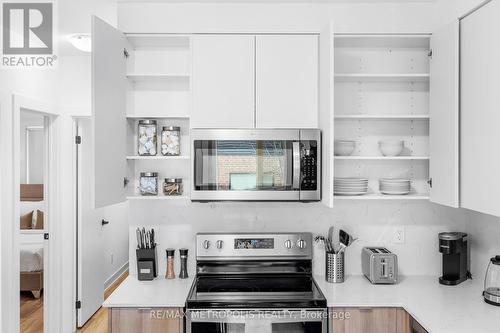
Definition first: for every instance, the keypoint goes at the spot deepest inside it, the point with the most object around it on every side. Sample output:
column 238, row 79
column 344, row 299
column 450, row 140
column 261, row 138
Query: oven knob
column 301, row 244
column 206, row 244
column 220, row 244
column 288, row 244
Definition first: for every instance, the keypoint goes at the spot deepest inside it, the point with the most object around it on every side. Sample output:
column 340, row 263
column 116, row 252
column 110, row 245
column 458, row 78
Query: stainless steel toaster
column 379, row 265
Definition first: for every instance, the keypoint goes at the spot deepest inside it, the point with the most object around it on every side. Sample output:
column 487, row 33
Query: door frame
column 53, row 260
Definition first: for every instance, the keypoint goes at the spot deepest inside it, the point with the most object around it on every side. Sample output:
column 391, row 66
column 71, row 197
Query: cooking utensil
column 326, row 243
column 346, row 238
column 153, row 243
column 139, row 238
column 330, row 236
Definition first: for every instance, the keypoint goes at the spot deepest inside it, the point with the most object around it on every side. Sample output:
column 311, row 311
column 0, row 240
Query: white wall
column 484, row 234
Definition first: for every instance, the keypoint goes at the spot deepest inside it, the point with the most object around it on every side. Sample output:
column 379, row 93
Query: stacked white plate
column 350, row 186
column 394, row 186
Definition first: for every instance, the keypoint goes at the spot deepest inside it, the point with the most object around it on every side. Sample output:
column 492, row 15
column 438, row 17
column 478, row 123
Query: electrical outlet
column 399, row 235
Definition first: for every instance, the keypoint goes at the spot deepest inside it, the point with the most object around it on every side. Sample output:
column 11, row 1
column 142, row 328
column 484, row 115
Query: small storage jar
column 171, row 141
column 146, row 137
column 172, row 186
column 148, row 183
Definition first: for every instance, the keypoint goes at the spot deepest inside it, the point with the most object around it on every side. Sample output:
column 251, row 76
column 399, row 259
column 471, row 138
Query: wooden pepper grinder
column 170, row 264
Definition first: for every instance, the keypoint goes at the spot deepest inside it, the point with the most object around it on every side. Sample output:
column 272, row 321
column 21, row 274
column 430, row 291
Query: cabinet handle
column 365, row 309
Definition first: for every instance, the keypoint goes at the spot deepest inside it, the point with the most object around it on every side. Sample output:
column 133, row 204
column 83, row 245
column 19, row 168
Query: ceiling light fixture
column 82, row 42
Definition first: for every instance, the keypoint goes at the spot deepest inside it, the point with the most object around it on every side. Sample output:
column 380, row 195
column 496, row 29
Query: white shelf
column 382, row 116
column 137, row 157
column 157, row 197
column 381, row 158
column 419, row 41
column 409, row 77
column 378, row 196
column 158, row 77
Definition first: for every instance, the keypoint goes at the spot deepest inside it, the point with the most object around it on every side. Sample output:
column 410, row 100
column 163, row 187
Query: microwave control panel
column 309, row 166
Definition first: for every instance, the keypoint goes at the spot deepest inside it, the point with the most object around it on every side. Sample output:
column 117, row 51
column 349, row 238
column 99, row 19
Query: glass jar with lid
column 172, row 186
column 171, row 141
column 148, row 183
column 147, row 137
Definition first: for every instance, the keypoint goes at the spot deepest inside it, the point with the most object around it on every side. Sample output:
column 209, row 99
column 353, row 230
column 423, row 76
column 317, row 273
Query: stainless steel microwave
column 256, row 164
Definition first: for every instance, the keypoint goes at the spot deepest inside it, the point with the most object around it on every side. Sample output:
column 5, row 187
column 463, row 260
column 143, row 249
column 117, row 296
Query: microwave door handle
column 296, row 165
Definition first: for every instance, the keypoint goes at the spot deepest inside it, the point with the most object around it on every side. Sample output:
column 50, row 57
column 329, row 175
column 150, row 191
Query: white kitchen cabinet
column 223, row 81
column 394, row 87
column 286, row 81
column 479, row 109
column 444, row 116
column 109, row 85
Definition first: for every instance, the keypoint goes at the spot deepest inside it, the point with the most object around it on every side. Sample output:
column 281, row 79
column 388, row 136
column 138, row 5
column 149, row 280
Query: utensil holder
column 146, row 258
column 334, row 272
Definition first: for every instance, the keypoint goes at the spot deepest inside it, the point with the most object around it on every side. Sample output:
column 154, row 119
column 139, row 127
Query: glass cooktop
column 255, row 291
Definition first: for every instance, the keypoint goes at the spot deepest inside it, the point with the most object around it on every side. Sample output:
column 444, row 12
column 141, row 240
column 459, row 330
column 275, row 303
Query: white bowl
column 344, row 148
column 391, row 147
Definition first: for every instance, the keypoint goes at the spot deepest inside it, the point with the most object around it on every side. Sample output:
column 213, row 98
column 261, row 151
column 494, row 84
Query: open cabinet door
column 325, row 118
column 109, row 83
column 444, row 116
column 479, row 109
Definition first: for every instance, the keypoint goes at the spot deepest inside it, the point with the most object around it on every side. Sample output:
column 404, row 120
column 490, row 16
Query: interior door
column 109, row 84
column 286, row 81
column 223, row 81
column 444, row 116
column 90, row 270
column 479, row 109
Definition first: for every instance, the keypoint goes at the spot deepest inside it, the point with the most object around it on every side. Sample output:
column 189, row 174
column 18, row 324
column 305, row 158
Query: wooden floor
column 32, row 313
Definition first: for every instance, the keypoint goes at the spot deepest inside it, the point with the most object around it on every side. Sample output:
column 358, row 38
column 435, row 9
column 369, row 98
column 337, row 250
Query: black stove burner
column 260, row 284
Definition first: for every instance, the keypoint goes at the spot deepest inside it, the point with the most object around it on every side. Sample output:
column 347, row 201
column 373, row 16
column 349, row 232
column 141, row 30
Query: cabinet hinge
column 125, row 53
column 46, row 236
column 430, row 54
column 78, row 139
column 125, row 181
column 78, row 304
column 430, row 182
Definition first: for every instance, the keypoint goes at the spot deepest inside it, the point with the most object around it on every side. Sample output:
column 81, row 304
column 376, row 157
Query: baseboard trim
column 115, row 277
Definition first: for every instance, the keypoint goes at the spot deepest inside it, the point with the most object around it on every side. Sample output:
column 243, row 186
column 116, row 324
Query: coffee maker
column 455, row 249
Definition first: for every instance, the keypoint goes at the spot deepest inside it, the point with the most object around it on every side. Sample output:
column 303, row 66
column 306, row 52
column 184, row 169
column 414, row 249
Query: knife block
column 147, row 264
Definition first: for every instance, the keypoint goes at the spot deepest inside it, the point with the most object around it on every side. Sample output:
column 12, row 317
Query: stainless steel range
column 255, row 283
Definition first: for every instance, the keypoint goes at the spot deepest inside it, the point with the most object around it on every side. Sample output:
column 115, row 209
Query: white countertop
column 150, row 294
column 438, row 308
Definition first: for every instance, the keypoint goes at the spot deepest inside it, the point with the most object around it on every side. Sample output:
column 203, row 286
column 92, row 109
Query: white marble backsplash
column 484, row 234
column 177, row 223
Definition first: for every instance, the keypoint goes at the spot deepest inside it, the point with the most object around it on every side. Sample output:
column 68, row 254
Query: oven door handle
column 296, row 165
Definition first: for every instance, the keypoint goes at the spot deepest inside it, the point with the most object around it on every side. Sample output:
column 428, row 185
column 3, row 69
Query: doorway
column 33, row 221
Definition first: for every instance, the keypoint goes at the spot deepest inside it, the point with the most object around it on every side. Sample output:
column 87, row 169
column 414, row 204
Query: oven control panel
column 246, row 245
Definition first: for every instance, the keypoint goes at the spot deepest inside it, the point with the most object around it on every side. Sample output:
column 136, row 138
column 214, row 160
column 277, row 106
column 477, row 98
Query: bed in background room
column 31, row 238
